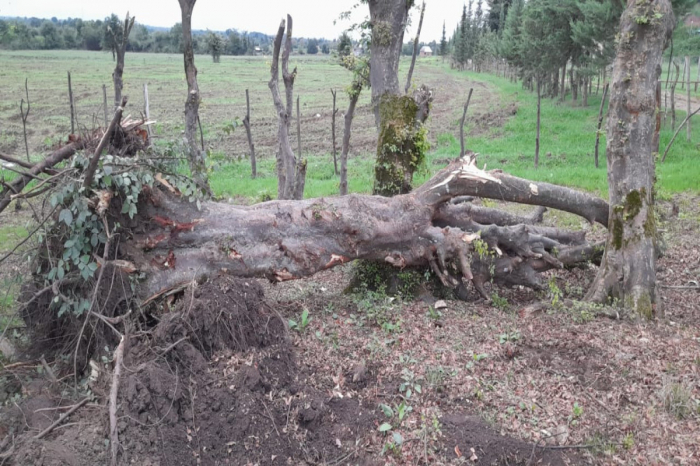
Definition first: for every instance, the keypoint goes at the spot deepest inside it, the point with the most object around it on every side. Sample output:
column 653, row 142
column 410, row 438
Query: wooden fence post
column 298, row 128
column 600, row 122
column 335, row 111
column 72, row 107
column 246, row 124
column 147, row 110
column 688, row 132
column 104, row 94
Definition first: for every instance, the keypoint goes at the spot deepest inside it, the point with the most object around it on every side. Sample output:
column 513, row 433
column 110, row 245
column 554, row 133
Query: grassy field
column 504, row 141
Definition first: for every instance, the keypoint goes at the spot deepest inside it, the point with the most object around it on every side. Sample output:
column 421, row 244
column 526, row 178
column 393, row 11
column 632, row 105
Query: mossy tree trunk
column 628, row 269
column 401, row 143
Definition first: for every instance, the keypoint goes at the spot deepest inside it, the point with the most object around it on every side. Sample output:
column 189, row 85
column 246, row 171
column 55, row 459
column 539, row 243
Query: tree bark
column 401, row 143
column 628, row 270
column 285, row 240
column 388, row 20
column 196, row 156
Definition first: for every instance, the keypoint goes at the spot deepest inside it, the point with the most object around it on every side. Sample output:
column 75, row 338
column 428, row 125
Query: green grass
column 566, row 152
column 10, row 235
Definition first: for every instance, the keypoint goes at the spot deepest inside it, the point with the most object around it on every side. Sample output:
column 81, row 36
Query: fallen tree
column 172, row 242
column 285, row 240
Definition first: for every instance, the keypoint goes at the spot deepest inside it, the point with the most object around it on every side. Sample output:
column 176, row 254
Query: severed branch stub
column 92, row 167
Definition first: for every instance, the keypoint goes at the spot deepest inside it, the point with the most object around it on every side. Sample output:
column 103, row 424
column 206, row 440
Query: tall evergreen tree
column 443, row 42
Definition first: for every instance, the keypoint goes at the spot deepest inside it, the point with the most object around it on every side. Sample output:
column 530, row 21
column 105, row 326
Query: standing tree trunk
column 563, row 83
column 354, row 95
column 401, row 144
column 537, row 138
column 195, row 155
column 246, row 124
column 628, row 270
column 290, row 175
column 388, row 20
column 121, row 39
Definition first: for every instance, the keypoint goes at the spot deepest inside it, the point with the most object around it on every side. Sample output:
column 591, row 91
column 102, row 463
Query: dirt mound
column 469, row 437
column 215, row 382
column 486, row 122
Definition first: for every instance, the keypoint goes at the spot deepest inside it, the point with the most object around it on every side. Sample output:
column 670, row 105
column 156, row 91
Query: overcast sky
column 312, row 18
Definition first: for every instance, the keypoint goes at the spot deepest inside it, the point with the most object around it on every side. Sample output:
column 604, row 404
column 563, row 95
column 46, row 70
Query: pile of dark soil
column 215, row 382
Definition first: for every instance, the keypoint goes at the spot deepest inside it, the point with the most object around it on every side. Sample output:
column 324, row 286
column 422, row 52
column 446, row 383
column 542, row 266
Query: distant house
column 426, row 51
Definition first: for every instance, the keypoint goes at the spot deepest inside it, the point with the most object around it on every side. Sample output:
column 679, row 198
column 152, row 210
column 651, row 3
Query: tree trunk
column 354, row 96
column 120, row 52
column 291, row 175
column 285, row 240
column 628, row 270
column 563, row 83
column 388, row 20
column 117, row 77
column 402, row 141
column 195, row 155
column 537, row 137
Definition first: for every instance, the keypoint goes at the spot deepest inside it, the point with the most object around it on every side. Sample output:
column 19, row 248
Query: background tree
column 443, row 42
column 628, row 270
column 195, row 155
column 345, row 45
column 215, row 46
column 312, row 47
